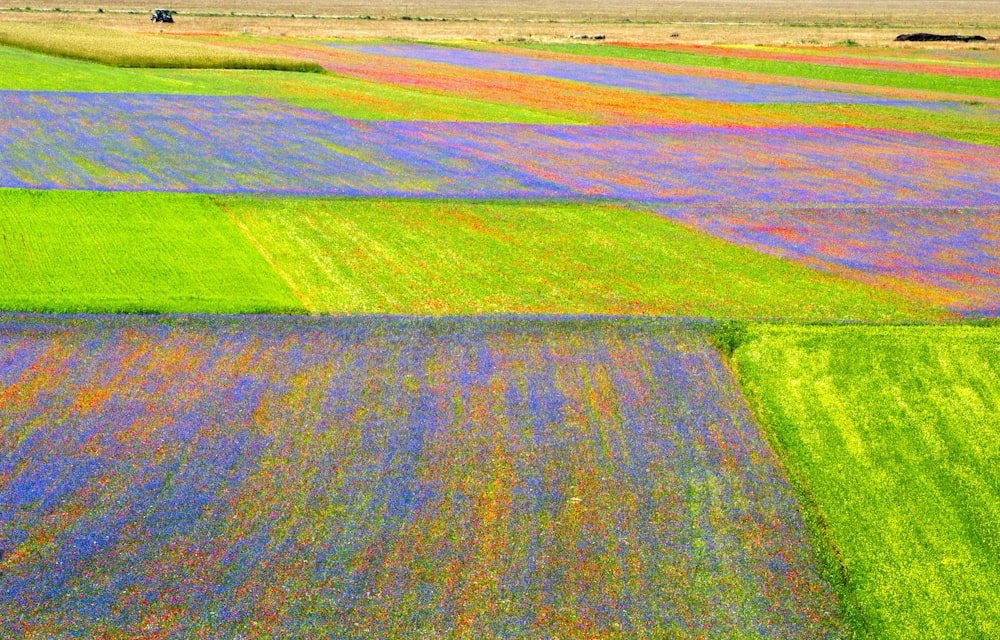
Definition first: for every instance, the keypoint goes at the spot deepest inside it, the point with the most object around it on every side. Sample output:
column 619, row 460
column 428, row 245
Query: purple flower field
column 373, row 477
column 947, row 256
column 700, row 87
column 133, row 142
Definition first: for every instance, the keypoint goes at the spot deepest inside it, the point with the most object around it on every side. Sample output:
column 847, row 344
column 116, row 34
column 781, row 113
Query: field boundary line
column 306, row 302
column 815, row 517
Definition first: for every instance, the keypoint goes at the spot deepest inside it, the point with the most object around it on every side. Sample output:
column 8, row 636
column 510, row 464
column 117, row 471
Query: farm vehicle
column 162, row 15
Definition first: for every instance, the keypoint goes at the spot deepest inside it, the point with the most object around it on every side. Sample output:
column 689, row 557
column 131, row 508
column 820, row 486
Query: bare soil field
column 714, row 21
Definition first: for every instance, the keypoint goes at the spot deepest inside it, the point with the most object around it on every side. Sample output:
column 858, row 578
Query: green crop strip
column 67, row 251
column 893, row 436
column 875, row 77
column 419, row 257
column 346, row 97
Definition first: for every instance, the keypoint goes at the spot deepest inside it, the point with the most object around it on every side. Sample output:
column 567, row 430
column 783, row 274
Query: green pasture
column 68, row 251
column 892, row 435
column 977, row 87
column 420, row 257
column 346, row 97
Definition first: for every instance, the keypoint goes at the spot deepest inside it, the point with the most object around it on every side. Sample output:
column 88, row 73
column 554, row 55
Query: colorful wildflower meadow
column 390, row 478
column 948, row 256
column 134, row 142
column 648, row 81
column 482, row 340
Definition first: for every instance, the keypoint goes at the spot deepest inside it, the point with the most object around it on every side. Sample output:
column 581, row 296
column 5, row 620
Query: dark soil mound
column 933, row 37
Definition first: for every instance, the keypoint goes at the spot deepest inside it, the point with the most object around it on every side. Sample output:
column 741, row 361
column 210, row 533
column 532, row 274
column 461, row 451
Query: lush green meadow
column 66, row 251
column 892, row 436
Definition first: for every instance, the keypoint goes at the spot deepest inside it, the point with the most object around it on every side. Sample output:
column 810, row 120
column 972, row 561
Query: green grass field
column 893, row 436
column 66, row 251
column 394, row 256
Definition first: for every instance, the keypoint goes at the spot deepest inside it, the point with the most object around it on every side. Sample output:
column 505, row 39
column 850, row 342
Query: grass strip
column 892, row 435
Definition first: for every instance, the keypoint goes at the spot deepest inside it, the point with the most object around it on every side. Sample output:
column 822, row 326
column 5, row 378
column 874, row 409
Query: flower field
column 496, row 340
column 945, row 81
column 678, row 83
column 136, row 142
column 946, row 256
column 625, row 85
column 389, row 478
column 347, row 97
column 946, row 63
